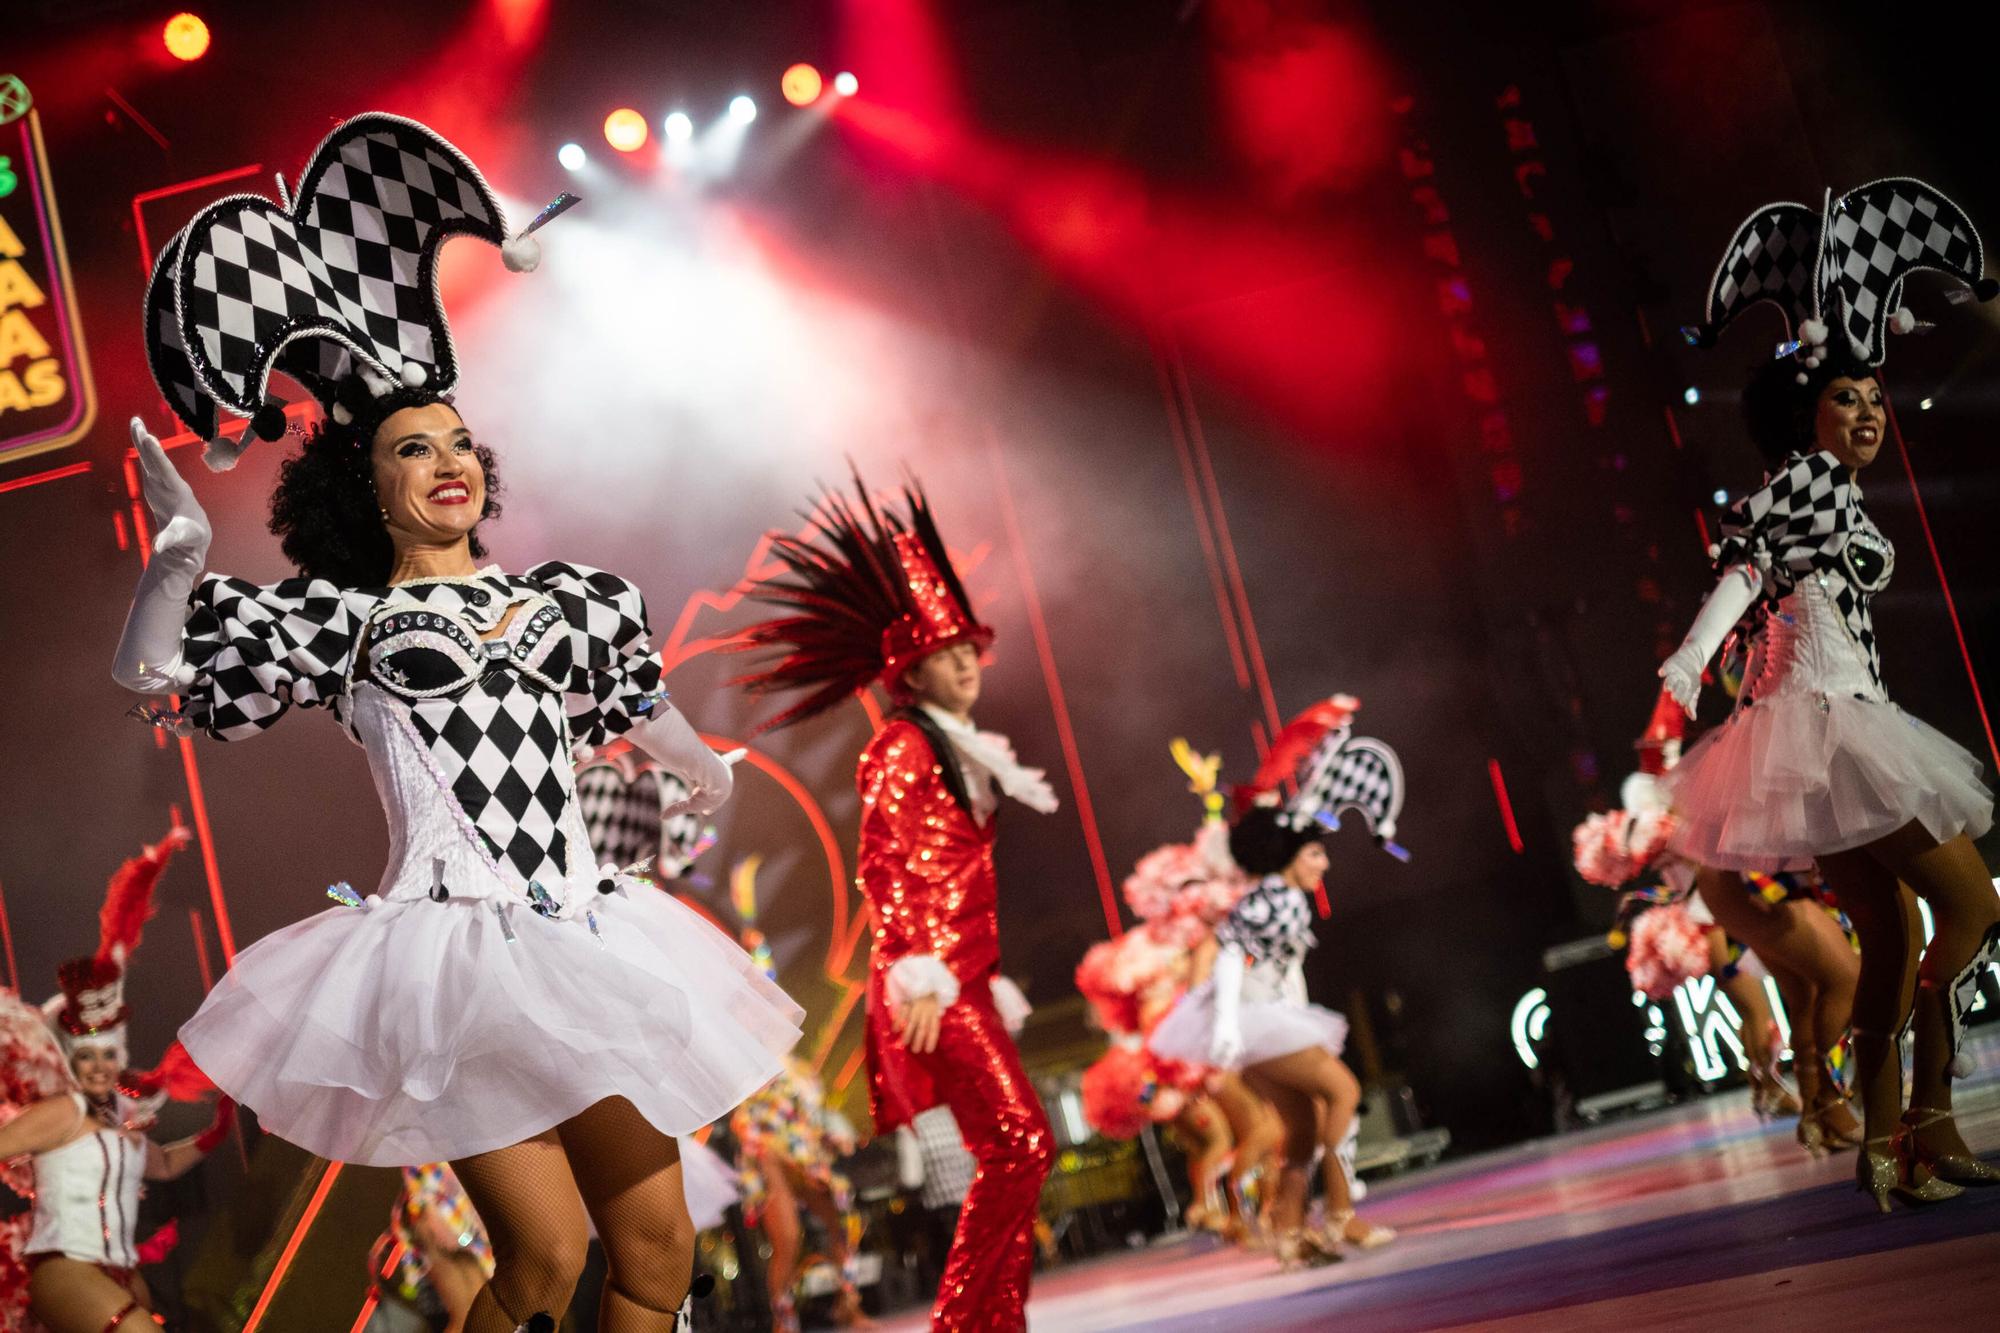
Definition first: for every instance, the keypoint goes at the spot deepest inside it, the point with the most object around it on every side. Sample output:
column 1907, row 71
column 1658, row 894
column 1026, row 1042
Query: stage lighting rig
column 801, row 85
column 186, row 37
column 846, row 84
column 679, row 127
column 742, row 109
column 572, row 156
column 625, row 130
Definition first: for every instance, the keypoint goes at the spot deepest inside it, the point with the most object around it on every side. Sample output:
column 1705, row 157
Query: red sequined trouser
column 978, row 1073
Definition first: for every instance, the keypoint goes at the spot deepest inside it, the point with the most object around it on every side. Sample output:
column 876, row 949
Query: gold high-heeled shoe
column 1770, row 1099
column 1820, row 1135
column 1336, row 1232
column 1893, row 1174
column 1304, row 1249
column 1957, row 1168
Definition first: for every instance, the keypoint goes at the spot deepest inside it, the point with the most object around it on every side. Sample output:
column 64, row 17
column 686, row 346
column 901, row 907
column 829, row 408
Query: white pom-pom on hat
column 413, row 374
column 222, row 453
column 341, row 414
column 521, row 254
column 1813, row 331
column 1902, row 321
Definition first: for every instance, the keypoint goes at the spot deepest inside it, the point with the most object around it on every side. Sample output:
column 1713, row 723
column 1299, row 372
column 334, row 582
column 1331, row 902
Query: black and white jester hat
column 335, row 284
column 1839, row 272
column 1331, row 771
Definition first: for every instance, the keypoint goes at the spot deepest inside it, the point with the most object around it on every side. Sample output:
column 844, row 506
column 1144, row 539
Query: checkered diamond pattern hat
column 335, row 286
column 1840, row 272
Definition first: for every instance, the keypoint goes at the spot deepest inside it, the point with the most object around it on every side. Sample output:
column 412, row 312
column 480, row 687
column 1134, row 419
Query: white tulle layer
column 1269, row 1029
column 710, row 1184
column 1792, row 777
column 413, row 1031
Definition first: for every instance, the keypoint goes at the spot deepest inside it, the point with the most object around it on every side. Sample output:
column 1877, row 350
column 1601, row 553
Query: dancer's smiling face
column 96, row 1069
column 428, row 478
column 1308, row 868
column 1850, row 419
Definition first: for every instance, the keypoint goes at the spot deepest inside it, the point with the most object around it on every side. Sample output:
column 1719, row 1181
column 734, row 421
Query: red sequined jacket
column 926, row 869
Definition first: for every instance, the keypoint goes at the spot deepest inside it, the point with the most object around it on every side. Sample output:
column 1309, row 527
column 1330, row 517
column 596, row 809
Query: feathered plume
column 128, row 898
column 176, row 1077
column 859, row 571
column 1300, row 738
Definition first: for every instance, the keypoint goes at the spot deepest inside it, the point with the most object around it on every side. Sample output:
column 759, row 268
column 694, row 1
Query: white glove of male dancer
column 1225, row 1046
column 667, row 737
column 149, row 651
column 1681, row 672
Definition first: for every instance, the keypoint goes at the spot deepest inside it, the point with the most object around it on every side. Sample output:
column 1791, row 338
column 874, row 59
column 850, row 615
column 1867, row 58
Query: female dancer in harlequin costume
column 1251, row 1013
column 1700, row 914
column 876, row 599
column 498, row 1002
column 1815, row 764
column 1180, row 893
column 90, row 1152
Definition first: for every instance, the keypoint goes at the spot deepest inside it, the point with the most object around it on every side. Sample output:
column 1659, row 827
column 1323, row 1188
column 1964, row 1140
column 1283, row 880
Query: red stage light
column 801, row 85
column 625, row 130
column 186, row 37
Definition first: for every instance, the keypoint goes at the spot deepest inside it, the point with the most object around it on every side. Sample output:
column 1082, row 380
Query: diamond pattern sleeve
column 1795, row 515
column 615, row 676
column 257, row 651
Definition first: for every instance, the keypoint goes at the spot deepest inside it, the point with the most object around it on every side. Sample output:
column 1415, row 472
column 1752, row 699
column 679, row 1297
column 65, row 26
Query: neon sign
column 46, row 399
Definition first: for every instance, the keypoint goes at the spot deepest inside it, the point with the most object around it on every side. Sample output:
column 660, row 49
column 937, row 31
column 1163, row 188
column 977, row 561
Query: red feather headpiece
column 868, row 593
column 93, row 1004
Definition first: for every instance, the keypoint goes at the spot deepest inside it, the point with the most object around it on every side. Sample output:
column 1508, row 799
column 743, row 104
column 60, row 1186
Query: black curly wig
column 324, row 512
column 1780, row 412
column 1262, row 842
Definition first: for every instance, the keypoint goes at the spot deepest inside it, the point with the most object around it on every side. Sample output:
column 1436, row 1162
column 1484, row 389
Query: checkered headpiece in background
column 1335, row 771
column 1841, row 271
column 336, row 287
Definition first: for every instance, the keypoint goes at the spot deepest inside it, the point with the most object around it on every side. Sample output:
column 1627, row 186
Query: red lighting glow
column 1506, row 805
column 801, row 85
column 186, row 37
column 626, row 130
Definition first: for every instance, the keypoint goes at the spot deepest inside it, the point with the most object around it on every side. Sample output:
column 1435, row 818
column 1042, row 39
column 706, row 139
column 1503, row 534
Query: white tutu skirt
column 1787, row 778
column 710, row 1184
column 1269, row 1029
column 413, row 1031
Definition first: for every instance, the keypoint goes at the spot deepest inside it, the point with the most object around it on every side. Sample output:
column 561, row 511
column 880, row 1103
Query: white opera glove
column 1225, row 1046
column 1681, row 672
column 667, row 737
column 149, row 651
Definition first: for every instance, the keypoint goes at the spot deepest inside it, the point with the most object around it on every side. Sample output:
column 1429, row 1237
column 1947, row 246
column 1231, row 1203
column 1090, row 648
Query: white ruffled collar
column 988, row 758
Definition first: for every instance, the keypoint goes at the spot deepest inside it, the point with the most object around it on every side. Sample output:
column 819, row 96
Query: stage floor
column 1683, row 1218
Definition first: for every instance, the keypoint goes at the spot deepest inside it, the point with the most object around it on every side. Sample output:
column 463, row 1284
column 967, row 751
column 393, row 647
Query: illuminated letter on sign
column 46, row 400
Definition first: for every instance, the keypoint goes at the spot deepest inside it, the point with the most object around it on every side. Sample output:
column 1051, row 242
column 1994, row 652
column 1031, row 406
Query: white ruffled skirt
column 710, row 1184
column 1797, row 775
column 1270, row 1029
column 413, row 1031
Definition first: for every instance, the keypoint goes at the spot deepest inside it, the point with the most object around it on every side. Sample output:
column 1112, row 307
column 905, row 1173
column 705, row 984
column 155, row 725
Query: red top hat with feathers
column 90, row 1009
column 868, row 593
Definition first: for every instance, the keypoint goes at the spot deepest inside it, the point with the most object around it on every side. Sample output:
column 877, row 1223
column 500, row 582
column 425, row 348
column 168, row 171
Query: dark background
column 1070, row 261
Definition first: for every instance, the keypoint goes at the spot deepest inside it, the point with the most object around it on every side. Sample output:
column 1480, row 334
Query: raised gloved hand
column 1681, row 672
column 149, row 651
column 667, row 737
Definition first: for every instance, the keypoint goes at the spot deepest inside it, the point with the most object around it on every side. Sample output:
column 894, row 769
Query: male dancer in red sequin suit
column 928, row 785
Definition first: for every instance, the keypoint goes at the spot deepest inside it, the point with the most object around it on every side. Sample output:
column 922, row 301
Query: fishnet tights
column 533, row 1196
